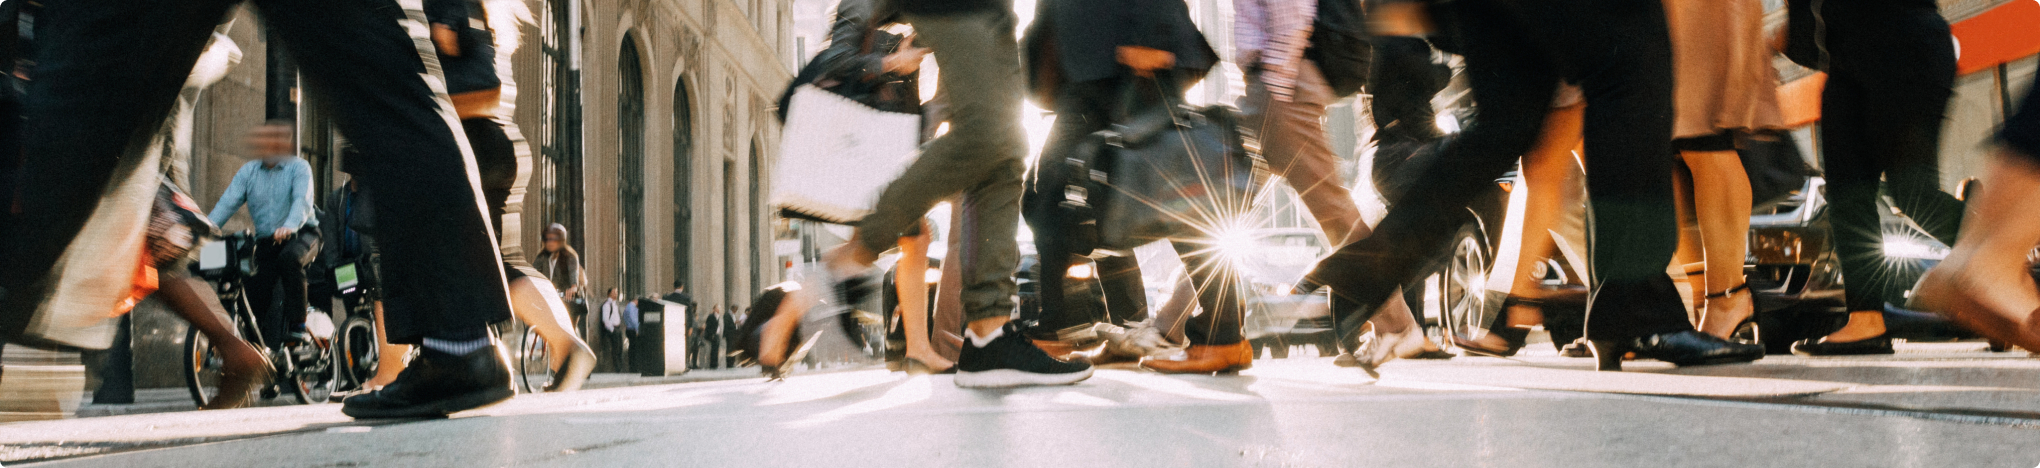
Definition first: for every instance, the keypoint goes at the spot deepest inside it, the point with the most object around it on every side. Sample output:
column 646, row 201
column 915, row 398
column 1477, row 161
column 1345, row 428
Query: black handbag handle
column 1129, row 94
column 1134, row 124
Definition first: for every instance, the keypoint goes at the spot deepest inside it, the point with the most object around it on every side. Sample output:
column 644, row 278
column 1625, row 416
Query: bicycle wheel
column 359, row 351
column 534, row 362
column 315, row 376
column 203, row 367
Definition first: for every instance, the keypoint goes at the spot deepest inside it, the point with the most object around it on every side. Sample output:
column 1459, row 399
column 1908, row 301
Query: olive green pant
column 981, row 157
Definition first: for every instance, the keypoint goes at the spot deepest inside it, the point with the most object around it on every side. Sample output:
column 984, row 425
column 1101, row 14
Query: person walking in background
column 277, row 189
column 686, row 301
column 713, row 343
column 612, row 327
column 1284, row 107
column 982, row 156
column 1890, row 72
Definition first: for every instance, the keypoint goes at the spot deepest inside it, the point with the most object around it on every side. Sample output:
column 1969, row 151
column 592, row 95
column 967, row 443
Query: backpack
column 1338, row 44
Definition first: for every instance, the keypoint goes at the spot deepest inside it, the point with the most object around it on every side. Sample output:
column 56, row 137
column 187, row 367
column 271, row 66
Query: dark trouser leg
column 441, row 265
column 105, row 80
column 1217, row 294
column 1624, row 57
column 1125, row 290
column 1852, row 181
column 1513, row 80
column 262, row 292
column 1890, row 131
column 1081, row 110
column 1402, row 81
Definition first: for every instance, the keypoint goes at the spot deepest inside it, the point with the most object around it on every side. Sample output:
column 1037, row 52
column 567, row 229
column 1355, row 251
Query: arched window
column 683, row 183
column 630, row 179
column 759, row 223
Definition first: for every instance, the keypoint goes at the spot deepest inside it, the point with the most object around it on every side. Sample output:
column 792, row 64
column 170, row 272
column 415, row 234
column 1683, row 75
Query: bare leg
column 912, row 280
column 535, row 302
column 1691, row 257
column 194, row 300
column 1721, row 202
column 778, row 332
column 391, row 361
column 1550, row 169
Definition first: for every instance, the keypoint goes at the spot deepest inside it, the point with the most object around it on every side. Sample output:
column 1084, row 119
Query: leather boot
column 1207, row 359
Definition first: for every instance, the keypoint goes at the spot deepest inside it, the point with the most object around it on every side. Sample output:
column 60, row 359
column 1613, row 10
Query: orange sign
column 2008, row 32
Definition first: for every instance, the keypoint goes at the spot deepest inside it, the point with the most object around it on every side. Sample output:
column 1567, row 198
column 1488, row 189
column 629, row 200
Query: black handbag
column 475, row 68
column 1774, row 164
column 1162, row 172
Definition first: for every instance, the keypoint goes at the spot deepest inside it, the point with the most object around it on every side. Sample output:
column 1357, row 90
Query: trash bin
column 661, row 344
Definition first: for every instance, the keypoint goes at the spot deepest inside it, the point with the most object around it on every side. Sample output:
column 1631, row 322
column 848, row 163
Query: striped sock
column 459, row 344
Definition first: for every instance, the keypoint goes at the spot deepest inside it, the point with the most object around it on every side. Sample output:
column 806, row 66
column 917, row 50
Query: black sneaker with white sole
column 1009, row 359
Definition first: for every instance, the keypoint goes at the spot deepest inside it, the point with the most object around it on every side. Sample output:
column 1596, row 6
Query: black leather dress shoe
column 1681, row 348
column 1822, row 347
column 437, row 384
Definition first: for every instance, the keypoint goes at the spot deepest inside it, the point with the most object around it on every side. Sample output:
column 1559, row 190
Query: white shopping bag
column 838, row 154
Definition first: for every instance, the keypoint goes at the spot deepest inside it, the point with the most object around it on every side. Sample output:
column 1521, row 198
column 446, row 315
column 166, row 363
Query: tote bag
column 96, row 275
column 837, row 155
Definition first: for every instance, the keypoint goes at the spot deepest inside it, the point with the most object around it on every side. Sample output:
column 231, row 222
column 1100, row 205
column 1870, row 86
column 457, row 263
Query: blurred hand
column 283, row 234
column 907, row 59
column 1400, row 19
column 1144, row 61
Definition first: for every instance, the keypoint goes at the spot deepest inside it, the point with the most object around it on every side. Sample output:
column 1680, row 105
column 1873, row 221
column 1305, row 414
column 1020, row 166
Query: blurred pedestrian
column 1623, row 60
column 1986, row 283
column 1098, row 53
column 1890, row 72
column 1284, row 107
column 981, row 156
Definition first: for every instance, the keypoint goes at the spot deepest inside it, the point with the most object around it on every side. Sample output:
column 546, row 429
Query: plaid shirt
column 1279, row 30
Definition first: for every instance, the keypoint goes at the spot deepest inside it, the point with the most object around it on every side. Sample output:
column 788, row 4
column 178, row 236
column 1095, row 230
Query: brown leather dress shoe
column 1060, row 350
column 1207, row 359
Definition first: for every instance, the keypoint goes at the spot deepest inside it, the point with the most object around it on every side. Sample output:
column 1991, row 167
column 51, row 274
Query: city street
column 1932, row 405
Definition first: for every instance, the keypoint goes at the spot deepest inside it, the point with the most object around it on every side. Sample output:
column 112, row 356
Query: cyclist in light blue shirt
column 277, row 189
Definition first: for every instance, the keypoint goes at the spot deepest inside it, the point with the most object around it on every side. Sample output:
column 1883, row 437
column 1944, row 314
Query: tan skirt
column 1722, row 65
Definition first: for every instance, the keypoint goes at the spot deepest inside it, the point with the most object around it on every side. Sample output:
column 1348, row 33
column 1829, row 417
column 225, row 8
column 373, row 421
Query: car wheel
column 1463, row 291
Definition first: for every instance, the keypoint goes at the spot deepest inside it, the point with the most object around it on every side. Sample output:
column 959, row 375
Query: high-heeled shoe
column 1681, row 348
column 1746, row 321
column 238, row 382
column 574, row 370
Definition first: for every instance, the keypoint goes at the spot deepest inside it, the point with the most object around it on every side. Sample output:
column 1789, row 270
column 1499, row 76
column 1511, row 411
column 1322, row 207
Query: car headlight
column 1905, row 246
